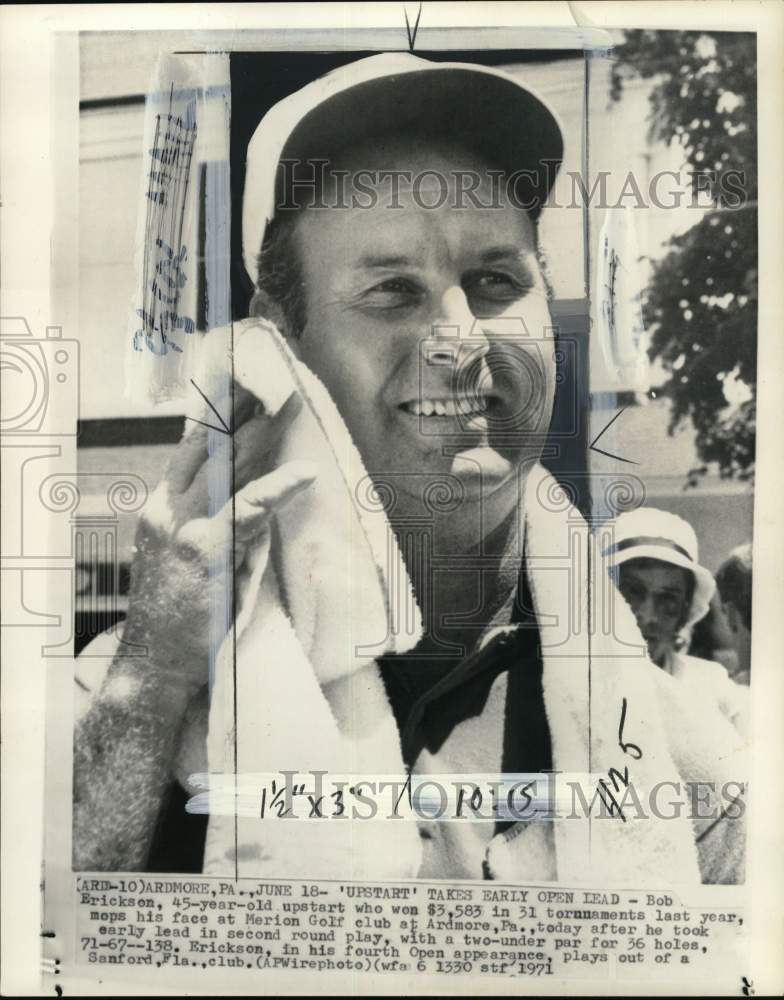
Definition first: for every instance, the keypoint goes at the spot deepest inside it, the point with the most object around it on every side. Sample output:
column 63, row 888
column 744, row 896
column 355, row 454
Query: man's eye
column 494, row 285
column 392, row 292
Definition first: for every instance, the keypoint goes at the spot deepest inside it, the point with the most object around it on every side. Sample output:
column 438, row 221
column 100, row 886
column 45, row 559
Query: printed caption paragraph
column 165, row 922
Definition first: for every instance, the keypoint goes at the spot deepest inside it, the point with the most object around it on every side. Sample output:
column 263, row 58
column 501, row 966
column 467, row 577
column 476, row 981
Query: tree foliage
column 701, row 305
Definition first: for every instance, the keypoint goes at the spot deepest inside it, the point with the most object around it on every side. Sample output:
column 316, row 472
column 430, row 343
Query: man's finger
column 188, row 458
column 262, row 497
column 257, row 440
column 243, row 403
column 254, row 446
column 242, row 519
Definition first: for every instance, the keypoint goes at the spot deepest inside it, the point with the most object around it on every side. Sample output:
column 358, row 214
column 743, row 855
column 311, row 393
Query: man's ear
column 263, row 306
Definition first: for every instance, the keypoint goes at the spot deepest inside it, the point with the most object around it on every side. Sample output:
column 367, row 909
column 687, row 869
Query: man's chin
column 482, row 470
column 472, row 477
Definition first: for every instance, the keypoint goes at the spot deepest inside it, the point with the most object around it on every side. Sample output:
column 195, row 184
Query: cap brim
column 506, row 125
column 485, row 110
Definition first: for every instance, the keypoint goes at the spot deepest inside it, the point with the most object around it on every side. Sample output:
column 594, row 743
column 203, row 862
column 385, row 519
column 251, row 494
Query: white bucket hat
column 649, row 533
column 487, row 110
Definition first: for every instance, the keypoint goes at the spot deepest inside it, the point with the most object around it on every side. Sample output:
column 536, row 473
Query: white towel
column 321, row 605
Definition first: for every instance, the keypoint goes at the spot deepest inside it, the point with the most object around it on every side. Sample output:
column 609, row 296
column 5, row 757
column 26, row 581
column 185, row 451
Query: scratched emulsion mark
column 163, row 274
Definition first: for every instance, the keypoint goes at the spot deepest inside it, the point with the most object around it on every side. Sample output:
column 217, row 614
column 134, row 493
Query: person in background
column 733, row 580
column 655, row 562
column 712, row 639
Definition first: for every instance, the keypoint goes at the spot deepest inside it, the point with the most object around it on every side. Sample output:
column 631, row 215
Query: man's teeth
column 447, row 407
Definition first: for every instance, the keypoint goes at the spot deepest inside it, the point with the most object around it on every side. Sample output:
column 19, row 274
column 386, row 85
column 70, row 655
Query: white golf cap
column 649, row 533
column 487, row 110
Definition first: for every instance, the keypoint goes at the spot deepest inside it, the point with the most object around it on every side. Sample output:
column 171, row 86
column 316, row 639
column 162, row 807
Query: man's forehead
column 381, row 237
column 436, row 173
column 411, row 195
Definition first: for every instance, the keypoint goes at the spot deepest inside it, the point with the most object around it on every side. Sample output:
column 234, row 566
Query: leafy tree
column 701, row 305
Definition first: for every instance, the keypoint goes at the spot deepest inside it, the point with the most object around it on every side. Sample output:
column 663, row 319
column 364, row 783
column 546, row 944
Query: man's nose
column 457, row 329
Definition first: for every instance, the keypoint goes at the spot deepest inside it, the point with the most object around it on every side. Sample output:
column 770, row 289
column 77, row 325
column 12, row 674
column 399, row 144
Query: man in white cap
column 655, row 558
column 423, row 231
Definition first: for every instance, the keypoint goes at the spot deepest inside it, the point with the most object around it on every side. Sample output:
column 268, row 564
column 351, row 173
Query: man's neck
column 460, row 591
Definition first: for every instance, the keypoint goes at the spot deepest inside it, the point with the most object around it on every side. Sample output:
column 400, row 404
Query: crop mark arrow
column 592, row 445
column 412, row 36
column 224, row 428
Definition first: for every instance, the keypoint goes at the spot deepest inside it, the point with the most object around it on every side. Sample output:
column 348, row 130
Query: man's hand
column 180, row 599
column 126, row 742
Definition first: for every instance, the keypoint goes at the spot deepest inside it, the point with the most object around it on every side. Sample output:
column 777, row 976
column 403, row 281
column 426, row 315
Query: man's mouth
column 451, row 406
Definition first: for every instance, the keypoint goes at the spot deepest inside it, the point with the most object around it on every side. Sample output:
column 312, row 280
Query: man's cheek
column 524, row 376
column 334, row 363
column 527, row 319
column 525, row 331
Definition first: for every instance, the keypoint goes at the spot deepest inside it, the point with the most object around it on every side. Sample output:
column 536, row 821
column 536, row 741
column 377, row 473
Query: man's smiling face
column 428, row 326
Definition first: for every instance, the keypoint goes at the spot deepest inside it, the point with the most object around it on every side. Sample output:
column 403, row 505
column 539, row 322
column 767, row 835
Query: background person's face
column 380, row 281
column 659, row 595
